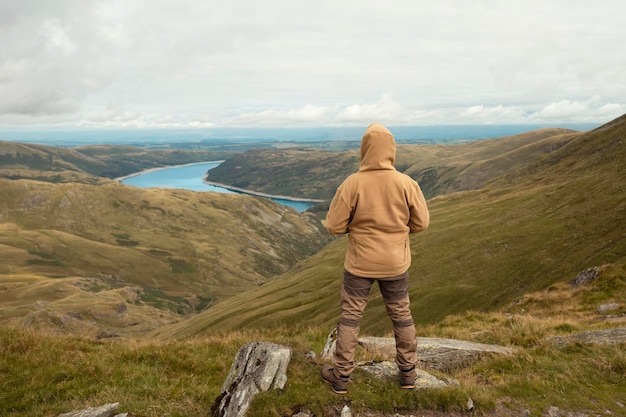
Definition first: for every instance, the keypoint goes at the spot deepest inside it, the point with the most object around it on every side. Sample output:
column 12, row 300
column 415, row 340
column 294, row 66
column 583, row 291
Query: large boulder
column 432, row 353
column 258, row 367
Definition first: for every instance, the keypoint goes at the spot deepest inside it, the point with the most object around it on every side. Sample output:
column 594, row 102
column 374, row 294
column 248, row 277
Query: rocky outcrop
column 389, row 370
column 436, row 353
column 585, row 277
column 259, row 366
column 432, row 353
column 598, row 337
column 106, row 410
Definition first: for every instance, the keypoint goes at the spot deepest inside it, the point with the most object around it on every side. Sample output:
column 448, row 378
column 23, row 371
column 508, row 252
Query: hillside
column 85, row 258
column 557, row 215
column 494, row 267
column 86, row 164
column 440, row 169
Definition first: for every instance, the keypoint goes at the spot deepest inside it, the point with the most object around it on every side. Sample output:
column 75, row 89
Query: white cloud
column 198, row 63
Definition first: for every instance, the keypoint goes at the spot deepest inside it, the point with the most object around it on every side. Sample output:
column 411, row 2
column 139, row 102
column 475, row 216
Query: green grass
column 47, row 375
column 185, row 249
column 44, row 375
column 494, row 267
column 440, row 169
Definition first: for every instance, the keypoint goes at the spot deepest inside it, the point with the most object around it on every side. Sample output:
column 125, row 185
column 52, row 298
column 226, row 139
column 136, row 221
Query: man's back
column 378, row 206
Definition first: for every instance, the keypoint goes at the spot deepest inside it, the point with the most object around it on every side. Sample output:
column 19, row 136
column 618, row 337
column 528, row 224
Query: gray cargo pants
column 354, row 296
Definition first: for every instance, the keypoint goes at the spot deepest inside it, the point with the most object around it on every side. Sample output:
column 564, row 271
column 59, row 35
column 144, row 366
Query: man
column 378, row 207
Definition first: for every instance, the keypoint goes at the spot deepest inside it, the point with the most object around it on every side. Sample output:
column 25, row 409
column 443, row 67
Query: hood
column 378, row 148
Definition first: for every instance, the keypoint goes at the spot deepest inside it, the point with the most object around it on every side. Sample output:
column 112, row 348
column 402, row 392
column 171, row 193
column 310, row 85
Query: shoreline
column 145, row 171
column 261, row 194
column 225, row 186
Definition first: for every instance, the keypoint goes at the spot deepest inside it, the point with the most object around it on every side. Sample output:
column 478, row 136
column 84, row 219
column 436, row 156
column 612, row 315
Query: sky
column 287, row 63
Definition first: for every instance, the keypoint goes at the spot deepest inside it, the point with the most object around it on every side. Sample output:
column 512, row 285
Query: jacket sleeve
column 419, row 214
column 338, row 216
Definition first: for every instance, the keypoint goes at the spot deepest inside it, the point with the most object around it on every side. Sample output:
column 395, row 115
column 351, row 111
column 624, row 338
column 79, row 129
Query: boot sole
column 336, row 391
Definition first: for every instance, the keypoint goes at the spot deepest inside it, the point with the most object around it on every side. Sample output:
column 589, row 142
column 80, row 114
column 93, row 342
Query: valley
column 148, row 273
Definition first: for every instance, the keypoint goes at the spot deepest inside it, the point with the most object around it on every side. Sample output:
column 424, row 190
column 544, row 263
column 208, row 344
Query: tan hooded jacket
column 378, row 206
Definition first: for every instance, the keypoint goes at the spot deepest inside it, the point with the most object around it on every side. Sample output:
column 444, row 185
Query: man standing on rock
column 378, row 207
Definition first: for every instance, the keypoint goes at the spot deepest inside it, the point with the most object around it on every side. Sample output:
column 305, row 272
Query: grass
column 539, row 225
column 46, row 375
column 494, row 267
column 176, row 241
column 440, row 169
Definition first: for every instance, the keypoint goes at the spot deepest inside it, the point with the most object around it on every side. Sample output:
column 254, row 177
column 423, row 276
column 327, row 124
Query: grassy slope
column 84, row 164
column 439, row 168
column 46, row 375
column 174, row 250
column 553, row 206
column 537, row 226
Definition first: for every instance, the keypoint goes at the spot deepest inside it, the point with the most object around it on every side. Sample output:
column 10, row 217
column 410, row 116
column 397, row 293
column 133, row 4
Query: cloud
column 47, row 64
column 309, row 114
column 158, row 63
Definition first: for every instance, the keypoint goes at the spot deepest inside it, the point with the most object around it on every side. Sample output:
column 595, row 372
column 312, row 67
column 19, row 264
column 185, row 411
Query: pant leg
column 354, row 296
column 395, row 293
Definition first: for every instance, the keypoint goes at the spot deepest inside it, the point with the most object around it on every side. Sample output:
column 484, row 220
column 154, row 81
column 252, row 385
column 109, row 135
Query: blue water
column 174, row 137
column 190, row 177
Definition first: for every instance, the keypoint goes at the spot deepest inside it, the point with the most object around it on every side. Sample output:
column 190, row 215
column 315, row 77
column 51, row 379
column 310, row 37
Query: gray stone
column 259, row 366
column 106, row 410
column 598, row 337
column 436, row 353
column 585, row 277
column 389, row 370
column 552, row 412
column 607, row 307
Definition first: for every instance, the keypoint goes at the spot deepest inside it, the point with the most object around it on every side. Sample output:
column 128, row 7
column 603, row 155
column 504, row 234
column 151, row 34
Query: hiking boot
column 338, row 384
column 407, row 378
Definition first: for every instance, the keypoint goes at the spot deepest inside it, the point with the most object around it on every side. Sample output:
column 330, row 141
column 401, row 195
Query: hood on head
column 378, row 148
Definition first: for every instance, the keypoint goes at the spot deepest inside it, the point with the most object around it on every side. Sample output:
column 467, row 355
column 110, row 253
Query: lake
column 190, row 177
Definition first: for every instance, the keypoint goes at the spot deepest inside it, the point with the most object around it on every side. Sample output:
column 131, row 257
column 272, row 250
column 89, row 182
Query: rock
column 599, row 337
column 470, row 404
column 310, row 356
column 259, row 366
column 329, row 347
column 346, row 412
column 389, row 370
column 107, row 335
column 552, row 411
column 436, row 353
column 106, row 410
column 585, row 276
column 432, row 353
column 607, row 307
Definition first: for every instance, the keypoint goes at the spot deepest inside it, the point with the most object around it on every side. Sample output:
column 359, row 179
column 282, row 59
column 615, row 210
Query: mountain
column 509, row 216
column 88, row 163
column 440, row 169
column 542, row 220
column 81, row 258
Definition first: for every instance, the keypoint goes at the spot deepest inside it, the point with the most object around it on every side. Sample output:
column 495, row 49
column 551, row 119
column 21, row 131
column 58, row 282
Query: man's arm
column 420, row 216
column 338, row 216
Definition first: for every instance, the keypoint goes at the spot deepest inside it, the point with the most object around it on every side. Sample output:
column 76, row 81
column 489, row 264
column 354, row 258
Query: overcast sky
column 202, row 63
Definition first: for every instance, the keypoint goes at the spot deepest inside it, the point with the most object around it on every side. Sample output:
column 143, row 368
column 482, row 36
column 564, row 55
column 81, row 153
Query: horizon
column 64, row 137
